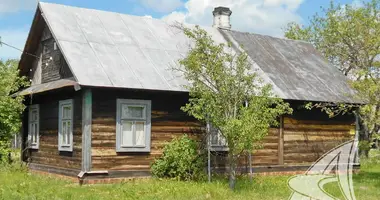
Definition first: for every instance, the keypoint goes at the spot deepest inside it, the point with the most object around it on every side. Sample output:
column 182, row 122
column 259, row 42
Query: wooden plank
column 86, row 133
column 281, row 141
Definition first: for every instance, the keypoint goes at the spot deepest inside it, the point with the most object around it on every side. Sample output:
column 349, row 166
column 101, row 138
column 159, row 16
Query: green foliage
column 10, row 107
column 17, row 184
column 364, row 146
column 221, row 83
column 348, row 36
column 180, row 160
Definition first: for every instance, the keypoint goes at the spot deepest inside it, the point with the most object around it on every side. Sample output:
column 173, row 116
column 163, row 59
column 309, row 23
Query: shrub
column 180, row 160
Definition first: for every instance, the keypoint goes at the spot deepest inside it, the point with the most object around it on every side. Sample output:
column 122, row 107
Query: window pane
column 214, row 136
column 64, row 129
column 127, row 134
column 135, row 112
column 35, row 134
column 34, row 115
column 31, row 133
column 68, row 132
column 66, row 112
column 140, row 133
column 222, row 140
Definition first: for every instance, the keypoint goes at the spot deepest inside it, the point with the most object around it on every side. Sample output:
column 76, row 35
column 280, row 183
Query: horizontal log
column 288, row 120
column 304, row 127
column 288, row 138
column 55, row 146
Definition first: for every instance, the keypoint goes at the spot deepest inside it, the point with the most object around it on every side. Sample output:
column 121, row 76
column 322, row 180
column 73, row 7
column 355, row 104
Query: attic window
column 133, row 125
column 55, row 46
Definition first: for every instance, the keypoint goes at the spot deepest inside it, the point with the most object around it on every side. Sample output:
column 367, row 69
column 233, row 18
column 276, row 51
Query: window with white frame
column 133, row 125
column 65, row 126
column 34, row 126
column 217, row 140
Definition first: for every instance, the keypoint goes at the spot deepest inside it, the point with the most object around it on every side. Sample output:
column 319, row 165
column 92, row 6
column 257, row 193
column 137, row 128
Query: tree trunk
column 364, row 135
column 232, row 172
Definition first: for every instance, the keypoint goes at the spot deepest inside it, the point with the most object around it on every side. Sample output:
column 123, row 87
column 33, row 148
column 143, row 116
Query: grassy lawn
column 16, row 183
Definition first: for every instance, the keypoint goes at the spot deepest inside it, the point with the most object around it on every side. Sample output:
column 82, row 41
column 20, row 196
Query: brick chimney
column 222, row 17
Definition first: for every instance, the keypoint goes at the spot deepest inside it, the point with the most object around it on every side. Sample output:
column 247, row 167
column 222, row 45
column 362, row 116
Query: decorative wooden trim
column 86, row 129
column 148, row 126
column 61, row 147
column 356, row 141
column 37, row 144
column 281, row 142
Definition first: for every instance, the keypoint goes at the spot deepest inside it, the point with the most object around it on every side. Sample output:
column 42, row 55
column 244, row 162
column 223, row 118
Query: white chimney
column 222, row 18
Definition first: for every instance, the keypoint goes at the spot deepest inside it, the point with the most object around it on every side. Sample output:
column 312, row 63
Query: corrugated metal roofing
column 116, row 50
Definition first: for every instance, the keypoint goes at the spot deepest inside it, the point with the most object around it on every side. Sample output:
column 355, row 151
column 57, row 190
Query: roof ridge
column 273, row 37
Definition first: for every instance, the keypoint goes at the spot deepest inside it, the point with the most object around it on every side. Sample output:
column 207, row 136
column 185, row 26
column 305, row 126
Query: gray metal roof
column 116, row 50
column 296, row 68
column 34, row 89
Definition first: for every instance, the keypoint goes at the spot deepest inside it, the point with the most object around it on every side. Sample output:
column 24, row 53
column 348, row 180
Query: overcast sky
column 258, row 16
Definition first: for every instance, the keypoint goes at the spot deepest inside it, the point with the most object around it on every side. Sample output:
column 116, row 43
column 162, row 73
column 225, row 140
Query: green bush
column 180, row 160
column 5, row 151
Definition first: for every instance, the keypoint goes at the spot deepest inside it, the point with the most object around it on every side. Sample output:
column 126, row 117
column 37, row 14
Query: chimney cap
column 222, row 10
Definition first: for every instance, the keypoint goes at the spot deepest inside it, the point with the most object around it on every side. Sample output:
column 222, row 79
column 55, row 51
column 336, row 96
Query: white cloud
column 163, row 6
column 357, row 3
column 291, row 4
column 9, row 6
column 15, row 38
column 259, row 16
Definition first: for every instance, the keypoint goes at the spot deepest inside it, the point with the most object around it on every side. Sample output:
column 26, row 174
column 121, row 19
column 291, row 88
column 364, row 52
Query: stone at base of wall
column 125, row 176
column 85, row 181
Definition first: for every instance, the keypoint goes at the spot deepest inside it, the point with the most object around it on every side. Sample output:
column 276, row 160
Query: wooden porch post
column 281, row 142
column 86, row 129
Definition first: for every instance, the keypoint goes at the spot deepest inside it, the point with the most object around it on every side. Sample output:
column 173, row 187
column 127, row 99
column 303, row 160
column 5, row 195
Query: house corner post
column 86, row 129
column 356, row 139
column 281, row 142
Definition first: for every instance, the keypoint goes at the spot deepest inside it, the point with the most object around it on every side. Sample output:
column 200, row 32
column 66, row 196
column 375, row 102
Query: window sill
column 34, row 147
column 132, row 150
column 65, row 149
column 219, row 148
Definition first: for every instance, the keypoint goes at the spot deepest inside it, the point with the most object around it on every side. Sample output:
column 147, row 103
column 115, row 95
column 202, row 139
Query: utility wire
column 13, row 47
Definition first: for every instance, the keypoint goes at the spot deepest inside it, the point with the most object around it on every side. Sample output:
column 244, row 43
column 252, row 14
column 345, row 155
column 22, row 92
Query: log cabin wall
column 48, row 153
column 168, row 122
column 309, row 134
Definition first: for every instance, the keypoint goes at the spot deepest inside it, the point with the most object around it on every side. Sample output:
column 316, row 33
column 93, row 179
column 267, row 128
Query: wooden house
column 103, row 101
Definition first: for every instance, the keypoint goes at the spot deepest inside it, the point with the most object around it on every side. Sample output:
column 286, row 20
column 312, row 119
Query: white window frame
column 31, row 123
column 221, row 144
column 147, row 104
column 61, row 146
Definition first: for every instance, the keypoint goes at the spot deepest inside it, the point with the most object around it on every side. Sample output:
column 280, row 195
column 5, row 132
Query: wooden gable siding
column 51, row 65
column 168, row 122
column 48, row 153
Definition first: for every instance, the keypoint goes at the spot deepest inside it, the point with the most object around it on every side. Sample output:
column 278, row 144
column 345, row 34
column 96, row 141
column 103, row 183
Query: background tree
column 10, row 107
column 221, row 82
column 349, row 37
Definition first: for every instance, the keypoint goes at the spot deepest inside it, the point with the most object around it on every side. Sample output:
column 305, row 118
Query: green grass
column 17, row 183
